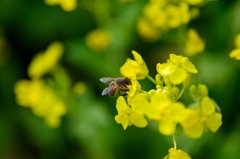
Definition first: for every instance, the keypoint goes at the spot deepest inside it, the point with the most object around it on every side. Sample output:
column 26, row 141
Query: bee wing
column 107, row 80
column 105, row 91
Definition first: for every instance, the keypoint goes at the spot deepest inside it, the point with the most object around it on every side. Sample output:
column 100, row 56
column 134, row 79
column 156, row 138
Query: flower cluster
column 162, row 105
column 36, row 93
column 235, row 53
column 160, row 16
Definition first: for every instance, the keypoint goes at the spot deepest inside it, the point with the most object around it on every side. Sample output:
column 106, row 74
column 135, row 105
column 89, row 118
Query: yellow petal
column 122, row 106
column 195, row 131
column 166, row 68
column 177, row 59
column 122, row 119
column 191, row 118
column 189, row 67
column 167, row 126
column 138, row 120
column 177, row 111
column 137, row 57
column 178, row 76
column 130, row 68
column 207, row 106
column 214, row 122
column 178, row 154
column 140, row 103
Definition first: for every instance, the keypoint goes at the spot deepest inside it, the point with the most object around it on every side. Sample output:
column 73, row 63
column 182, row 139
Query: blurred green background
column 88, row 130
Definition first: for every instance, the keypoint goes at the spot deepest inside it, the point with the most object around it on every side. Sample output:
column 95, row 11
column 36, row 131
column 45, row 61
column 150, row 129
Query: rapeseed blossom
column 67, row 5
column 176, row 154
column 161, row 16
column 136, row 68
column 41, row 99
column 194, row 43
column 44, row 62
column 126, row 116
column 176, row 69
column 202, row 118
column 36, row 93
column 138, row 107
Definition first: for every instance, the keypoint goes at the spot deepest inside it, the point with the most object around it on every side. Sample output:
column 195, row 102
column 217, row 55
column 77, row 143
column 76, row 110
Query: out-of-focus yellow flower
column 237, row 40
column 80, row 88
column 174, row 16
column 194, row 43
column 194, row 2
column 176, row 154
column 176, row 69
column 126, row 116
column 44, row 62
column 67, row 5
column 148, row 32
column 98, row 40
column 177, row 15
column 156, row 15
column 136, row 68
column 202, row 118
column 41, row 99
column 235, row 53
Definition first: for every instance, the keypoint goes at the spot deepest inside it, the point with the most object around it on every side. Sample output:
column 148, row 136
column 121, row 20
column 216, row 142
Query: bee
column 116, row 84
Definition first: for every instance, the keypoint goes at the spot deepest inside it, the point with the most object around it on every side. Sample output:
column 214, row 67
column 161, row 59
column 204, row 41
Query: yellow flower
column 194, row 2
column 156, row 15
column 194, row 43
column 176, row 154
column 165, row 111
column 41, row 99
column 98, row 40
column 135, row 68
column 176, row 69
column 177, row 15
column 134, row 89
column 67, row 5
column 235, row 54
column 126, row 116
column 174, row 16
column 148, row 32
column 42, row 63
column 237, row 40
column 202, row 118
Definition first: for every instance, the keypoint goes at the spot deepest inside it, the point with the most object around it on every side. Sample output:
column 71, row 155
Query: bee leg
column 122, row 90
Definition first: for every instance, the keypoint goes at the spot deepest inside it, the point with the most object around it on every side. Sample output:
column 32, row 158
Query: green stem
column 174, row 141
column 151, row 79
column 180, row 94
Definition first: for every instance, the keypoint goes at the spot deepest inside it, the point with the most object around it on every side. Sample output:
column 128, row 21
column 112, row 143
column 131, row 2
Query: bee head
column 127, row 81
